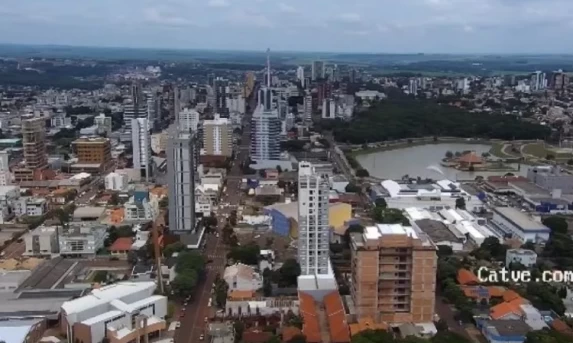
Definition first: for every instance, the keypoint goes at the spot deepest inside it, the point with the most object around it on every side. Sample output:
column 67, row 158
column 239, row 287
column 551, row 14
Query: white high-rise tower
column 300, row 75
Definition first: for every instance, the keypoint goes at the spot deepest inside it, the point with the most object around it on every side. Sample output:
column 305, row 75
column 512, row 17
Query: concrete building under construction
column 393, row 274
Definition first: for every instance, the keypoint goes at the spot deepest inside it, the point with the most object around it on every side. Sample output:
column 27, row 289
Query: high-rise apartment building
column 34, row 142
column 5, row 175
column 141, row 143
column 307, row 108
column 181, row 167
column 218, row 137
column 300, row 75
column 317, row 71
column 133, row 110
column 188, row 119
column 314, row 234
column 538, row 81
column 220, row 87
column 104, row 124
column 93, row 150
column 559, row 81
column 265, row 135
column 393, row 274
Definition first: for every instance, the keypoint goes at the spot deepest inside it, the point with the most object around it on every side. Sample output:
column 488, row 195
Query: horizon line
column 263, row 51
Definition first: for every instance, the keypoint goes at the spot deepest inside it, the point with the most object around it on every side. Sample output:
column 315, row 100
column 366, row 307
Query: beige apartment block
column 218, row 137
column 34, row 142
column 393, row 274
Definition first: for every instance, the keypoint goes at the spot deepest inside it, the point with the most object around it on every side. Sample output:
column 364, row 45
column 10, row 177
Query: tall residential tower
column 181, row 167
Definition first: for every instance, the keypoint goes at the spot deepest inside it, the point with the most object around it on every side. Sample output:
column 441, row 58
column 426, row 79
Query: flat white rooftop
column 379, row 230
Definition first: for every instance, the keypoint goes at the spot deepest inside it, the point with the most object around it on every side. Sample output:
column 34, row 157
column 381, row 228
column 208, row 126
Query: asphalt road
column 193, row 323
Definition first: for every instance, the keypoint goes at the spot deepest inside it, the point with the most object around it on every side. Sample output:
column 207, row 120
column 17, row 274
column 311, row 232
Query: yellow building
column 338, row 214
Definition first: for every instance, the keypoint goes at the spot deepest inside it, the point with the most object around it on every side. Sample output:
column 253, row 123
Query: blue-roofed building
column 283, row 216
column 504, row 331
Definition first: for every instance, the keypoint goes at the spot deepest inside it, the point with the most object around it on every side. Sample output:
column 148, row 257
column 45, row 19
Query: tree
column 546, row 336
column 164, row 202
column 449, row 154
column 380, row 202
column 220, row 291
column 113, row 199
column 289, row 272
column 298, row 339
column 556, row 224
column 461, row 203
column 246, row 254
column 184, row 283
column 279, row 169
column 262, row 173
column 362, row 172
column 442, row 325
column 267, row 282
column 190, row 260
column 173, row 248
column 550, row 157
column 445, row 250
column 352, row 188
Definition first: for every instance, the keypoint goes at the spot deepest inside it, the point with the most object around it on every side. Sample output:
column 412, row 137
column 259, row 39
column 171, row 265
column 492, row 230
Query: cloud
column 246, row 19
column 284, row 8
column 157, row 16
column 218, row 3
column 349, row 18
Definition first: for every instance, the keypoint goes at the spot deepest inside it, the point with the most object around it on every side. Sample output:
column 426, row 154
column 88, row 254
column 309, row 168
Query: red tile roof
column 561, row 326
column 506, row 308
column 466, row 277
column 510, row 295
column 121, row 244
column 290, row 332
column 470, row 158
column 310, row 326
column 338, row 327
column 254, row 335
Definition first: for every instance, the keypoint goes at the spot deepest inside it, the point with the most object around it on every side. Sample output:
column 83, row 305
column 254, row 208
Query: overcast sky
column 393, row 26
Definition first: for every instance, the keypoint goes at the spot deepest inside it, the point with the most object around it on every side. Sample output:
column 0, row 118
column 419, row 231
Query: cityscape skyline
column 430, row 26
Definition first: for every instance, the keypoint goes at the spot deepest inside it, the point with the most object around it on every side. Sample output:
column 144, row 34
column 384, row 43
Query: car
column 178, row 325
column 209, row 261
column 202, row 337
column 206, row 319
column 185, row 304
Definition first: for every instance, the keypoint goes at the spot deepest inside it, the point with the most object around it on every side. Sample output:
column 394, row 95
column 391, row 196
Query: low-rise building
column 435, row 196
column 122, row 313
column 121, row 247
column 241, row 277
column 81, row 240
column 22, row 330
column 519, row 225
column 9, row 195
column 526, row 257
column 42, row 241
column 141, row 207
column 29, row 206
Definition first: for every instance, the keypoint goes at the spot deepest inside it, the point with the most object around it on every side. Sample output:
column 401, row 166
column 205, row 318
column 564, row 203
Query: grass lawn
column 497, row 150
column 535, row 149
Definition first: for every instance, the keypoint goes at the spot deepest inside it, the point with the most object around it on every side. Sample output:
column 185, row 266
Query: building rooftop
column 121, row 244
column 105, row 295
column 523, row 220
column 379, row 230
column 506, row 328
column 522, row 252
column 16, row 330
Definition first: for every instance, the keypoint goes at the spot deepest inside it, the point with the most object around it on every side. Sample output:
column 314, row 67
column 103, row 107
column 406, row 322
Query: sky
column 389, row 26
